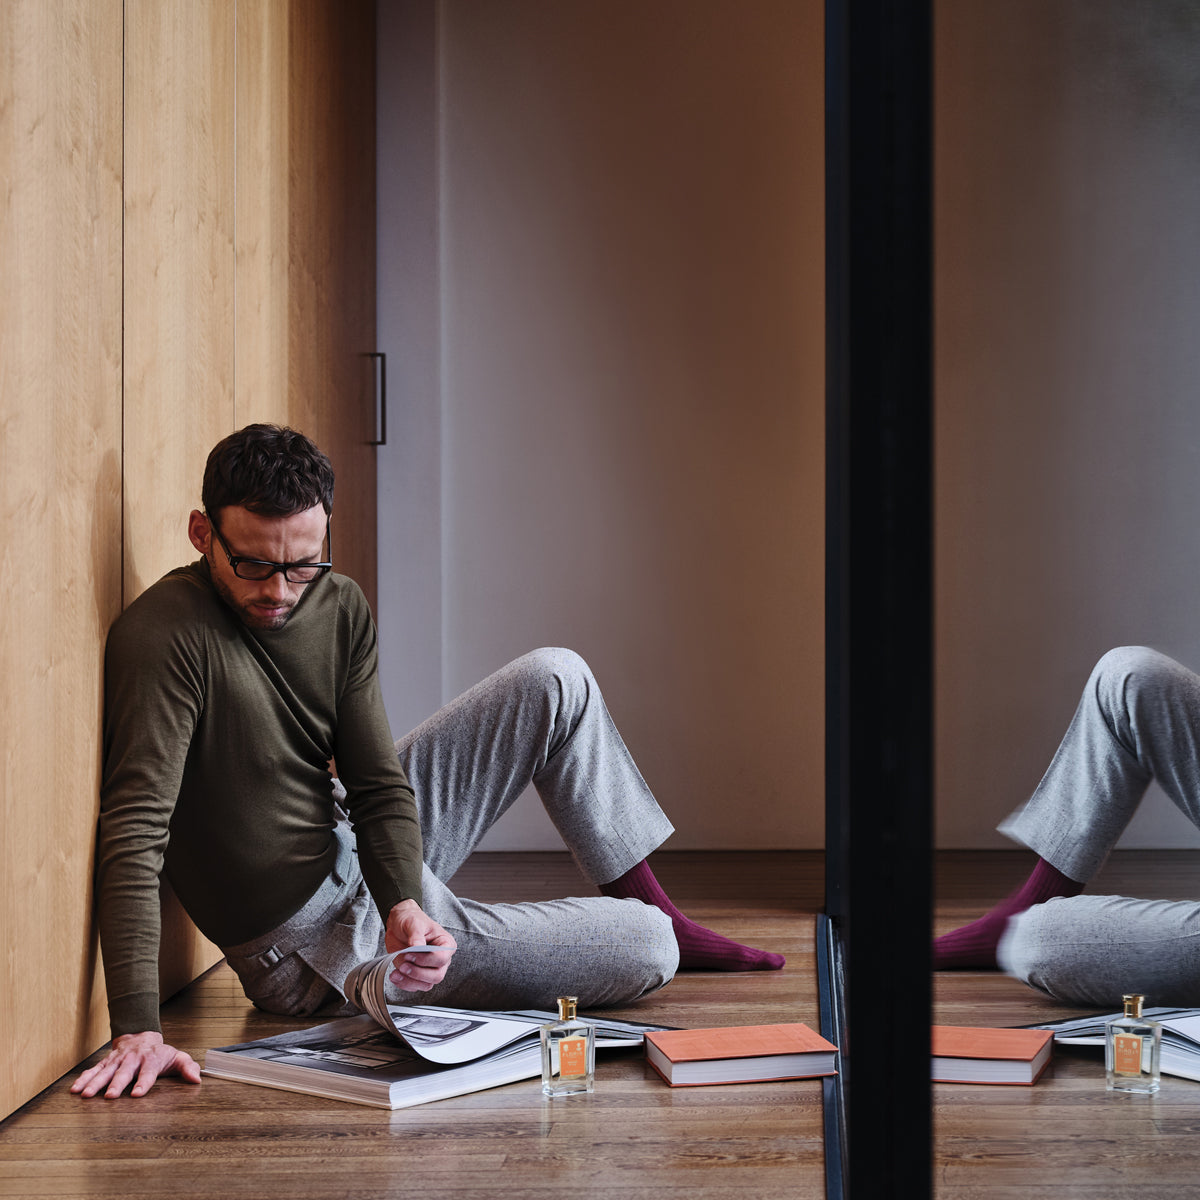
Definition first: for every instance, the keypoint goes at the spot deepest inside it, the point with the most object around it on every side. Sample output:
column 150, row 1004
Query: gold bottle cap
column 1133, row 1003
column 566, row 1007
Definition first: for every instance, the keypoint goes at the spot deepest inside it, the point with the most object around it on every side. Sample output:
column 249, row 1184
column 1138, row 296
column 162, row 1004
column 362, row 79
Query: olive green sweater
column 217, row 745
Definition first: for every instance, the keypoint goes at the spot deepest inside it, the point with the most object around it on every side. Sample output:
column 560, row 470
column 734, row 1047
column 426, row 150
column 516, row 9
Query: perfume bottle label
column 572, row 1057
column 1127, row 1054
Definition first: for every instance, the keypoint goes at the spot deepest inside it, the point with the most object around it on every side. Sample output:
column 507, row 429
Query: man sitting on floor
column 1138, row 720
column 231, row 687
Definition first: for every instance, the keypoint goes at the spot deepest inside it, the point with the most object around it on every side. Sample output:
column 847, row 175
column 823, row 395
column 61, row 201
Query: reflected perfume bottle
column 568, row 1052
column 1132, row 1044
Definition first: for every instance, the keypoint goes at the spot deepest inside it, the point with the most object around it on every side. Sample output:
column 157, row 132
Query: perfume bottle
column 568, row 1052
column 1131, row 1049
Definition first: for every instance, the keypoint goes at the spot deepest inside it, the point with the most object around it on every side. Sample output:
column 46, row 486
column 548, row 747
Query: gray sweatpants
column 540, row 720
column 1138, row 720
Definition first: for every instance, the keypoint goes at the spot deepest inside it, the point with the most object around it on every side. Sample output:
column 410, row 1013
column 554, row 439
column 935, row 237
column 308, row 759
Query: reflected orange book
column 739, row 1054
column 966, row 1054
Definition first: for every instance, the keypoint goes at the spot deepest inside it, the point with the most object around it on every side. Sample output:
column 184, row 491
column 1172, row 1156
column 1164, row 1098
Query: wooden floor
column 634, row 1138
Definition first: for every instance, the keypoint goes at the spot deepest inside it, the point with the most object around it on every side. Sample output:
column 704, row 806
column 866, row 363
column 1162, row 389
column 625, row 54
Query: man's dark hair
column 270, row 470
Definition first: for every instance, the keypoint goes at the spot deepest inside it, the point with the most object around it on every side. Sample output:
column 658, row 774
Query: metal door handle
column 382, row 393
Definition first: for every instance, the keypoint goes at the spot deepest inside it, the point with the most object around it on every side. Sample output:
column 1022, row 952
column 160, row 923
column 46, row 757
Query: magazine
column 1180, row 1053
column 396, row 1056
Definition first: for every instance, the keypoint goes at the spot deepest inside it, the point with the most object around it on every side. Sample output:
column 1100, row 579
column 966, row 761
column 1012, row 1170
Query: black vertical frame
column 875, row 933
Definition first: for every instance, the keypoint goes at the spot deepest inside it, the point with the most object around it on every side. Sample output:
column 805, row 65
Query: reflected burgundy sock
column 974, row 945
column 699, row 949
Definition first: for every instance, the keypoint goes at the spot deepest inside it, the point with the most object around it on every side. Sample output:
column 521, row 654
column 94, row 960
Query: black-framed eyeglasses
column 259, row 569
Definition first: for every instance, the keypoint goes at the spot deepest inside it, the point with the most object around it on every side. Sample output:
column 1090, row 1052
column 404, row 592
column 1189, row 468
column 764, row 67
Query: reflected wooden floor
column 1067, row 1136
column 634, row 1138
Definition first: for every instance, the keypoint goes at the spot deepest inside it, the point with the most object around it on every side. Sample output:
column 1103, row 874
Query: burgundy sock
column 974, row 945
column 699, row 949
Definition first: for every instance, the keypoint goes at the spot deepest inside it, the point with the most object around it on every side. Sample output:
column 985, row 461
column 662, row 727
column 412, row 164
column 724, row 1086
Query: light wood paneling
column 179, row 269
column 148, row 256
column 60, row 482
column 305, row 236
column 331, row 193
column 262, row 218
column 179, row 304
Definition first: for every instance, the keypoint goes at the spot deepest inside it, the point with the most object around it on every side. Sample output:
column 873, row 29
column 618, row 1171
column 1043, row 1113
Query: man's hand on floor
column 137, row 1059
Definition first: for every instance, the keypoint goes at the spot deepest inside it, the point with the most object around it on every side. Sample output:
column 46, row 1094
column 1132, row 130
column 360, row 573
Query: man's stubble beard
column 243, row 612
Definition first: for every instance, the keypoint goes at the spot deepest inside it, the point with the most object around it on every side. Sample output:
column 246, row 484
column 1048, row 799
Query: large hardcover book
column 356, row 1059
column 739, row 1054
column 967, row 1054
column 394, row 1056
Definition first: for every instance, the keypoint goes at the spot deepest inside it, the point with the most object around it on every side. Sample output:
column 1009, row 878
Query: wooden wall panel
column 261, row 223
column 179, row 269
column 179, row 304
column 305, row 235
column 158, row 294
column 331, row 189
column 60, row 491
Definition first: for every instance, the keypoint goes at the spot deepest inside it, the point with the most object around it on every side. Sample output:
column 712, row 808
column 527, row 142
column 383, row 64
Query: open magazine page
column 439, row 1035
column 364, row 985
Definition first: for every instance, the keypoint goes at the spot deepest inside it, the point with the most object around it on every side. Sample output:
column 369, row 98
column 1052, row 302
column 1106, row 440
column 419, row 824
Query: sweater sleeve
column 379, row 798
column 153, row 694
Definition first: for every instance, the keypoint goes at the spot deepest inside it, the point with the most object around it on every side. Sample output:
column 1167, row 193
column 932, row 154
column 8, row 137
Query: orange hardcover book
column 965, row 1054
column 739, row 1054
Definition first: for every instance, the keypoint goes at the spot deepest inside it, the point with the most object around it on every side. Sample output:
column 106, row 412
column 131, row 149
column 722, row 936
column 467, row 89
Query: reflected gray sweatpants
column 1138, row 720
column 540, row 720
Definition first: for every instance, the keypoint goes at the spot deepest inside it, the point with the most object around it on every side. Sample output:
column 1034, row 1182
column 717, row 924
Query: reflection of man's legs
column 1091, row 950
column 542, row 720
column 1138, row 720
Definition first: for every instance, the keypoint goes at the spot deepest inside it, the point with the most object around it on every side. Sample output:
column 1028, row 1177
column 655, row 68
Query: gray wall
column 600, row 287
column 1068, row 432
column 601, row 248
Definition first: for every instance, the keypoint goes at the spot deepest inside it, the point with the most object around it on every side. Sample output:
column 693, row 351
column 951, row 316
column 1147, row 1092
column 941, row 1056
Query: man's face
column 263, row 604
